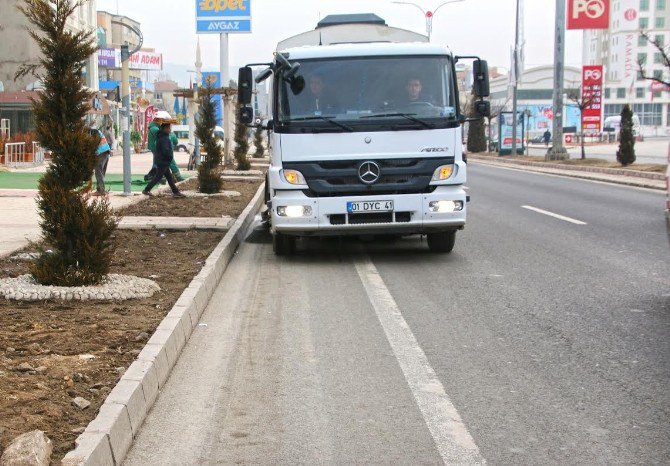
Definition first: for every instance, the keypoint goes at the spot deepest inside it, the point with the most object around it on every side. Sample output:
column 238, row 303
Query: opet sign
column 221, row 16
column 588, row 14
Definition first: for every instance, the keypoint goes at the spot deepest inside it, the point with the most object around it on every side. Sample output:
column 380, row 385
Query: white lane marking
column 452, row 438
column 551, row 214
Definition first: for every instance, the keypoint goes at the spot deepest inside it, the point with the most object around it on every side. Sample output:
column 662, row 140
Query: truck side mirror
column 263, row 75
column 245, row 85
column 246, row 115
column 480, row 74
column 483, row 108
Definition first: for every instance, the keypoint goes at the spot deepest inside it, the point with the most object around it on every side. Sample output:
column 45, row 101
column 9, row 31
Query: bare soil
column 590, row 162
column 212, row 206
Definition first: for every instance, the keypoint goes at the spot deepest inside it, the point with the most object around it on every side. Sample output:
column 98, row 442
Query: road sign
column 588, row 14
column 222, row 16
column 592, row 94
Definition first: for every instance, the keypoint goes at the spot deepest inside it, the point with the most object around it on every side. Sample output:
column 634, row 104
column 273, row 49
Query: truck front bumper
column 328, row 216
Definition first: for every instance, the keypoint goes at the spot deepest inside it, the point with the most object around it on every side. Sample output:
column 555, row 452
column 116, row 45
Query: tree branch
column 665, row 59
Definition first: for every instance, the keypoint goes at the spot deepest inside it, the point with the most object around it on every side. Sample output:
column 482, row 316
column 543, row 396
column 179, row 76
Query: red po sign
column 588, row 14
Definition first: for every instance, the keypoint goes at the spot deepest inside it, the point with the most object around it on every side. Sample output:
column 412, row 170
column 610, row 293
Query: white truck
column 366, row 140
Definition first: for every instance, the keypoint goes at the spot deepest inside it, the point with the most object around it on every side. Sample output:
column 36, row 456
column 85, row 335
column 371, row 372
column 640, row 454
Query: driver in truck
column 414, row 88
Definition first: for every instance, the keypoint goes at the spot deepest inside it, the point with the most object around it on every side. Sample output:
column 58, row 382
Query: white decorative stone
column 114, row 286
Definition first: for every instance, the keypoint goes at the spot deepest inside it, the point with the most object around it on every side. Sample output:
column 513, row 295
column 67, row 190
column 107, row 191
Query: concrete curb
column 108, row 437
column 577, row 168
column 628, row 180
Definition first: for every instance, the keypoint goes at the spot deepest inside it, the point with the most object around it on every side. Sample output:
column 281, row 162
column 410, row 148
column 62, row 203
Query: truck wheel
column 442, row 242
column 283, row 245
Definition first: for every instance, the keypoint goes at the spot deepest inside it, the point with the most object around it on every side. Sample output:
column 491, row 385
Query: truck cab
column 366, row 140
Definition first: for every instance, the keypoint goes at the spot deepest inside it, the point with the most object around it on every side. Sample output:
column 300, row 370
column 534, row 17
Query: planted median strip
column 43, row 343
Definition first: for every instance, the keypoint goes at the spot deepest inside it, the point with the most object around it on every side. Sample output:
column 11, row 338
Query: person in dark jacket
column 164, row 156
column 546, row 137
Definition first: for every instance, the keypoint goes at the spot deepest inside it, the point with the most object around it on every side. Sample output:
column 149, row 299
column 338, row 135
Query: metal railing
column 17, row 156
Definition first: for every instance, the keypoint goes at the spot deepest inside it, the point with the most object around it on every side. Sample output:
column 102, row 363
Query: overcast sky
column 482, row 27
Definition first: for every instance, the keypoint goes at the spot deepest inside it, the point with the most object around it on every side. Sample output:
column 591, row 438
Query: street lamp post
column 428, row 14
column 125, row 93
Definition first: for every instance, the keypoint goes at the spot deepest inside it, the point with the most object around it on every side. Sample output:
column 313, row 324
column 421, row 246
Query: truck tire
column 283, row 245
column 442, row 242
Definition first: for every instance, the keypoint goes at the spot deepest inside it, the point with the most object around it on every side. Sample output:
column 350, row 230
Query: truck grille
column 369, row 218
column 340, row 177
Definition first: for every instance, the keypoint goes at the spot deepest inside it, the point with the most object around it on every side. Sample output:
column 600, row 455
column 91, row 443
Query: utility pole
column 225, row 84
column 196, row 105
column 557, row 151
column 515, row 70
column 125, row 100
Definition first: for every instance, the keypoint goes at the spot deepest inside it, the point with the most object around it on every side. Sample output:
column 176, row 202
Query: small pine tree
column 476, row 131
column 258, row 142
column 209, row 180
column 241, row 144
column 626, row 153
column 78, row 231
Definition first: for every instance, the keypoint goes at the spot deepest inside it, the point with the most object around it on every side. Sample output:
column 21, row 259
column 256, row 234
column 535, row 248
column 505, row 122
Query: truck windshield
column 345, row 94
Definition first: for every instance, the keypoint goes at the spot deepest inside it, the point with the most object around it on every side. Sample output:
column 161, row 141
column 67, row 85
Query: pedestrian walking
column 164, row 156
column 102, row 154
column 546, row 137
column 154, row 128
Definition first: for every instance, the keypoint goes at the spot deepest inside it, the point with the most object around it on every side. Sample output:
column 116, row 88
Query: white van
column 614, row 122
column 184, row 136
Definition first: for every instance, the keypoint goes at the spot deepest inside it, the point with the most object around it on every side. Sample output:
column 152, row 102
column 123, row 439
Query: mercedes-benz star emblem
column 369, row 172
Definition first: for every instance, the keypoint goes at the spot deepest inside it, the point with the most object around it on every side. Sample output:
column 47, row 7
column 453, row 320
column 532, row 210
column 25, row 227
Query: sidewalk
column 19, row 221
column 645, row 180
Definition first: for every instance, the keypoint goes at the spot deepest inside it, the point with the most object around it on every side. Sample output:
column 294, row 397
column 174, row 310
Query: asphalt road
column 539, row 340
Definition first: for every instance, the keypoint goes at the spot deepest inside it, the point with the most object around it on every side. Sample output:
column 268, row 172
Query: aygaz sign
column 222, row 16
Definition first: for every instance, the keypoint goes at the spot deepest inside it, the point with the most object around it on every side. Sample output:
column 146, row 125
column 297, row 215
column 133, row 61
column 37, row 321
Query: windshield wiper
column 329, row 119
column 409, row 116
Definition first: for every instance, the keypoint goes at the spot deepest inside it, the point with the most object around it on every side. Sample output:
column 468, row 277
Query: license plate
column 369, row 206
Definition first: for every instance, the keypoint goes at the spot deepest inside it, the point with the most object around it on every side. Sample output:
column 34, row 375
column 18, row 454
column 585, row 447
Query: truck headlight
column 445, row 206
column 294, row 211
column 442, row 173
column 293, row 177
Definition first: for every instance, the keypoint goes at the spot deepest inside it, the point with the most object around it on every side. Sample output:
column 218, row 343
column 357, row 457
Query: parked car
column 182, row 133
column 184, row 137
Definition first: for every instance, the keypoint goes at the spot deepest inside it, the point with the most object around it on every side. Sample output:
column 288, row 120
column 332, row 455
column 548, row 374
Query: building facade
column 18, row 48
column 535, row 92
column 112, row 35
column 619, row 49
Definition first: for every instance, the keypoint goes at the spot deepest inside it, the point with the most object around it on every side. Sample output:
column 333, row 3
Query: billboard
column 146, row 61
column 213, row 78
column 222, row 16
column 592, row 94
column 588, row 14
column 541, row 117
column 109, row 58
